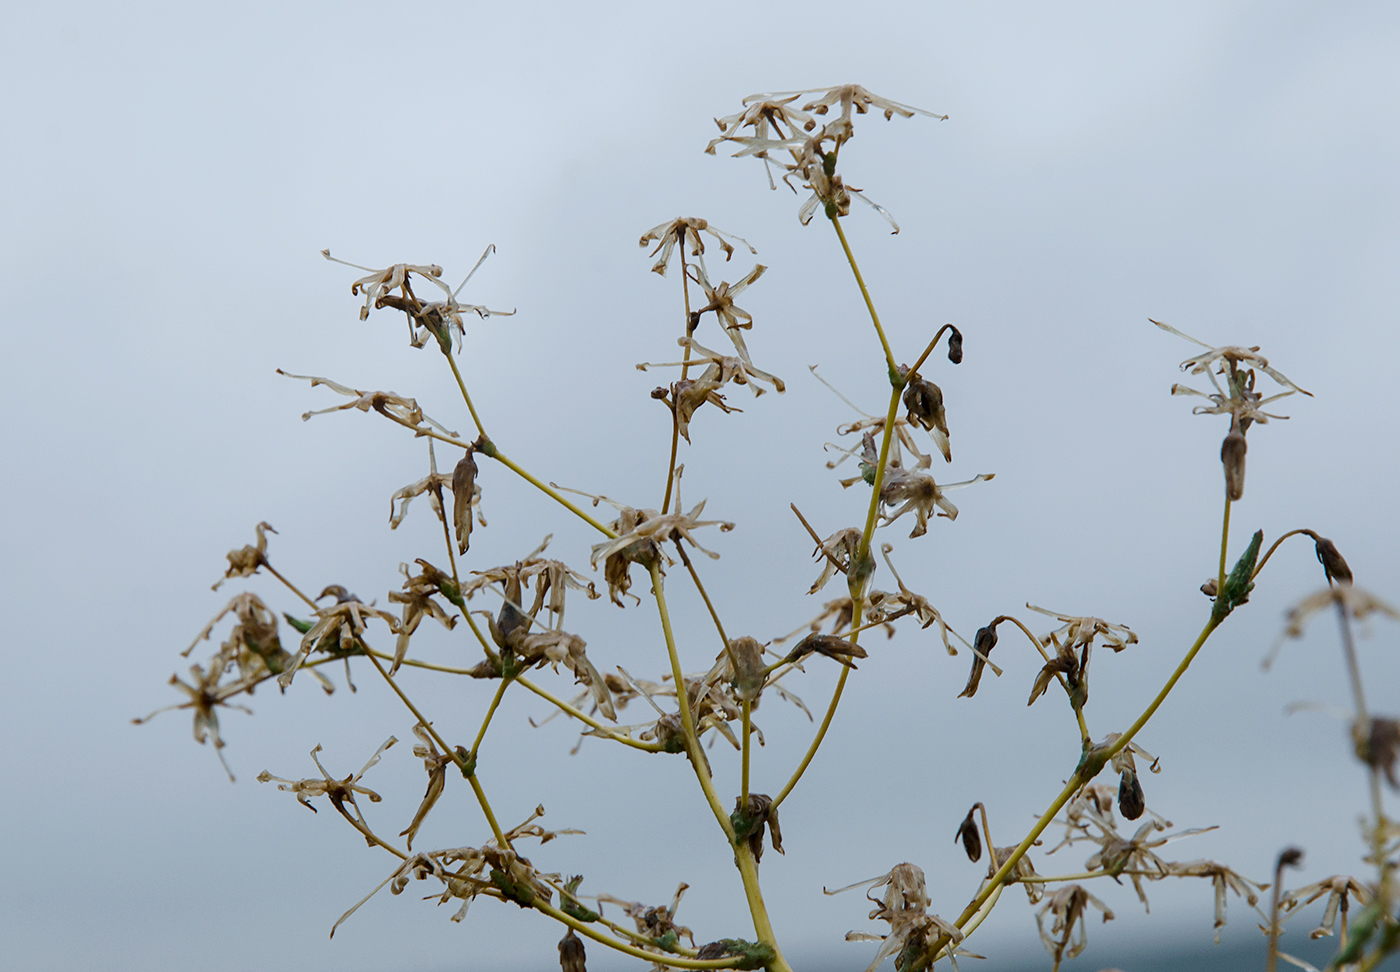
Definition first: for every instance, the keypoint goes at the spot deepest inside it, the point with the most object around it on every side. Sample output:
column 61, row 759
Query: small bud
column 1131, row 801
column 1211, row 587
column 955, row 345
column 969, row 836
column 1291, row 857
column 1232, row 452
column 746, row 655
column 571, row 953
column 463, row 487
column 1333, row 563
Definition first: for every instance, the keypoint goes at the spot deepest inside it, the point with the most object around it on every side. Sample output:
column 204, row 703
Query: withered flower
column 969, row 836
column 648, row 525
column 687, row 395
column 1222, row 879
column 723, row 368
column 686, row 230
column 1068, row 935
column 1356, row 602
column 340, row 792
column 337, row 628
column 733, row 319
column 904, row 906
column 245, row 561
column 749, row 823
column 918, row 492
column 1379, row 747
column 1339, row 888
column 395, row 407
column 571, row 953
column 441, row 318
column 205, row 696
column 924, row 400
column 1334, row 565
column 464, row 491
column 838, row 551
column 1065, row 663
column 749, row 672
column 1024, row 872
column 417, row 600
column 1079, row 631
column 982, row 645
column 436, row 764
column 837, row 649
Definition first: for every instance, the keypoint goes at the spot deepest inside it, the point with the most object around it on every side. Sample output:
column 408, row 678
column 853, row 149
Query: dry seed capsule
column 969, row 836
column 1131, row 801
column 463, row 486
column 1232, row 452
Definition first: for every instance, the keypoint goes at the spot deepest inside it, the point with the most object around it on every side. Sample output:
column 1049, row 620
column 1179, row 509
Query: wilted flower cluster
column 694, row 696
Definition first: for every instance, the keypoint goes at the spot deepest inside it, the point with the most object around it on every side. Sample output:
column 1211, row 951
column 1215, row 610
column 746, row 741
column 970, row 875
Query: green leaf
column 300, row 625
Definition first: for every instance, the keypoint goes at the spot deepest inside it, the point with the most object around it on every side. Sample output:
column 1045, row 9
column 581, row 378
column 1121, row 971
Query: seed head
column 463, row 490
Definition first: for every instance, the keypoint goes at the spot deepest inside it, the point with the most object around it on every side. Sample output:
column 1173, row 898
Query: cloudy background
column 170, row 174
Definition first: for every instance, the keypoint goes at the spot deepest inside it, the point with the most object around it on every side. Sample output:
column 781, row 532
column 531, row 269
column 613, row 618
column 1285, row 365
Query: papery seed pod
column 969, row 836
column 571, row 953
column 1232, row 452
column 1333, row 563
column 463, row 486
column 749, row 670
column 1131, row 802
column 955, row 351
column 982, row 646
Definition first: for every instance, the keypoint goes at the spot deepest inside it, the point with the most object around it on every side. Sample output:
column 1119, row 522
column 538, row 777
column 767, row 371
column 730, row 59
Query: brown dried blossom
column 436, row 764
column 464, row 493
column 918, row 492
column 1068, row 935
column 686, row 231
column 749, row 823
column 337, row 628
column 395, row 407
column 884, row 606
column 924, row 401
column 245, row 561
column 734, row 320
column 441, row 318
column 1222, row 879
column 1340, row 890
column 206, row 695
column 837, row 552
column 417, row 600
column 339, row 792
column 904, row 906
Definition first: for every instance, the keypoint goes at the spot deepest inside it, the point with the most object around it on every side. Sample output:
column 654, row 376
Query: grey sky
column 171, row 173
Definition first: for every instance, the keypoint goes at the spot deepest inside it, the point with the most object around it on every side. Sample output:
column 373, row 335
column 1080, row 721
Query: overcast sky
column 170, row 173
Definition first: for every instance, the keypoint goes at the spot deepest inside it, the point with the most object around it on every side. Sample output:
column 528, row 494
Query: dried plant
column 800, row 136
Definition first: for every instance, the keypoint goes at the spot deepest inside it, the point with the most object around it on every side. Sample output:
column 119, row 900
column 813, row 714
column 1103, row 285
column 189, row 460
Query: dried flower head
column 918, row 492
column 245, row 561
column 464, row 492
column 686, row 231
column 1068, row 935
column 206, row 695
column 982, row 645
column 395, row 407
column 924, row 400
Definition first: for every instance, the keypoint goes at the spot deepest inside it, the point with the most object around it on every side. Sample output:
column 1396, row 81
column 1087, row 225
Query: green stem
column 869, row 304
column 662, row 958
column 857, row 598
column 491, row 711
column 583, row 717
column 481, row 429
column 489, row 449
column 692, row 740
